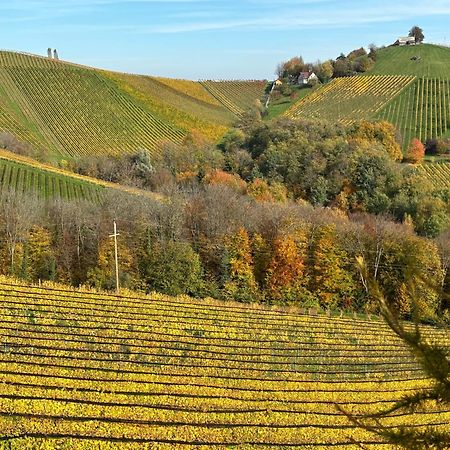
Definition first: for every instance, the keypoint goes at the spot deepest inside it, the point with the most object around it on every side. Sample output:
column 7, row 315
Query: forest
column 276, row 213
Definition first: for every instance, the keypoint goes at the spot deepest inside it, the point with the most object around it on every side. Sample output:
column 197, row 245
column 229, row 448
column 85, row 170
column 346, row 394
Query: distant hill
column 408, row 86
column 73, row 111
column 425, row 60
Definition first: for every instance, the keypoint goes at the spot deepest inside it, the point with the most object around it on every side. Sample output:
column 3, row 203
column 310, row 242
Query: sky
column 211, row 39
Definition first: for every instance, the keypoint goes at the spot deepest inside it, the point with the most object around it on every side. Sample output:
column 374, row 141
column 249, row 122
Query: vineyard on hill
column 350, row 99
column 422, row 110
column 73, row 111
column 437, row 173
column 27, row 179
column 84, row 370
column 26, row 175
column 237, row 96
column 184, row 103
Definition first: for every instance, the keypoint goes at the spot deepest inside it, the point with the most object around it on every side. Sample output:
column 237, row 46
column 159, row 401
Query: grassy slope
column 434, row 61
column 91, row 368
column 278, row 107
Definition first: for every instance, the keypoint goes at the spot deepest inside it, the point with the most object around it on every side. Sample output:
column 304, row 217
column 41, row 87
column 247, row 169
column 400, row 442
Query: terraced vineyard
column 237, row 96
column 422, row 110
column 437, row 173
column 84, row 370
column 74, row 111
column 351, row 98
column 24, row 178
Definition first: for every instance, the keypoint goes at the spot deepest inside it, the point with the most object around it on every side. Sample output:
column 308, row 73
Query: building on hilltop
column 307, row 78
column 409, row 40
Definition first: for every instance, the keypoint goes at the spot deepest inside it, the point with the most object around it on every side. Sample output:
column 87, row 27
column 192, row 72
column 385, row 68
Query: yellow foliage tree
column 240, row 281
column 286, row 280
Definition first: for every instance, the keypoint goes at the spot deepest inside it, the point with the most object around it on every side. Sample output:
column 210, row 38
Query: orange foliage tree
column 415, row 152
column 286, row 279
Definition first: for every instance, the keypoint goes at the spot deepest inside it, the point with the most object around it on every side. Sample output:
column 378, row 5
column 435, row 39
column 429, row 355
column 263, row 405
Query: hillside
column 431, row 61
column 414, row 95
column 25, row 175
column 73, row 111
column 350, row 99
column 81, row 369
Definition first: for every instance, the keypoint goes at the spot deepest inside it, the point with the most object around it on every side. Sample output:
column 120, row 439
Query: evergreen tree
column 434, row 361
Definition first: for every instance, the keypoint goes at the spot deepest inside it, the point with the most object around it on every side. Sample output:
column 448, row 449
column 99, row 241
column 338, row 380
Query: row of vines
column 77, row 111
column 81, row 369
column 27, row 179
column 350, row 98
column 236, row 96
column 422, row 111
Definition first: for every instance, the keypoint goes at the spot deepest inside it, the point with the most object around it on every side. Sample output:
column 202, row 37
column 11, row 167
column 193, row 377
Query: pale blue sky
column 211, row 38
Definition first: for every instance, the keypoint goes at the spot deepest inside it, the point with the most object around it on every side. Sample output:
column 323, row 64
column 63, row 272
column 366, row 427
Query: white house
column 307, row 78
column 410, row 40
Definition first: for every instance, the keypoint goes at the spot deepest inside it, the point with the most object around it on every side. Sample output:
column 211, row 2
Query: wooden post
column 116, row 256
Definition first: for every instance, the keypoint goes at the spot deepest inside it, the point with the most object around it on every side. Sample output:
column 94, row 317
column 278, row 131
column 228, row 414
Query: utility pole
column 115, row 254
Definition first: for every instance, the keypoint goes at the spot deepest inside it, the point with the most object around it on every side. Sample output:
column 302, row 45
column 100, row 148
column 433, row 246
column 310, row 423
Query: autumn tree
column 286, row 278
column 103, row 274
column 239, row 279
column 382, row 132
column 19, row 213
column 329, row 277
column 42, row 262
column 416, row 152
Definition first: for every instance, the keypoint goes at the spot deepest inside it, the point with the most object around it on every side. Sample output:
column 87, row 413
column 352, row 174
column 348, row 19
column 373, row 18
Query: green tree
column 417, row 33
column 172, row 268
column 329, row 278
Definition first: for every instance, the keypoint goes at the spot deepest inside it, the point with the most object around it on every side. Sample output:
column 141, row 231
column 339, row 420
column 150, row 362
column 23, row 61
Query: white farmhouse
column 307, row 78
column 410, row 40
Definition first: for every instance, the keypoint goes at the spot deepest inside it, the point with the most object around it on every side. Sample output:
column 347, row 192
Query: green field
column 432, row 61
column 27, row 179
column 82, row 370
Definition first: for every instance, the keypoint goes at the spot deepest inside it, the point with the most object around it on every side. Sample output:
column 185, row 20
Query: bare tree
column 19, row 214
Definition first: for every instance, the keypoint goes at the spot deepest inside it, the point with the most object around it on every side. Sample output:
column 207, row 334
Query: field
column 86, row 370
column 432, row 61
column 422, row 110
column 349, row 99
column 237, row 96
